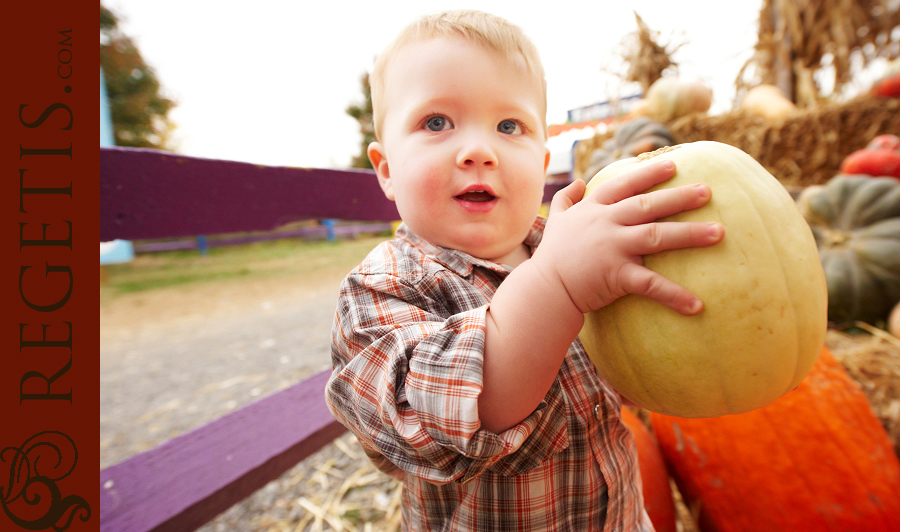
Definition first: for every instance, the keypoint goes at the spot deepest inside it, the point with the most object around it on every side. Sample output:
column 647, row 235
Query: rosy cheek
column 428, row 186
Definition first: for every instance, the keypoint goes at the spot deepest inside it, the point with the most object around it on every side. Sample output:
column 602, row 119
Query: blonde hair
column 493, row 32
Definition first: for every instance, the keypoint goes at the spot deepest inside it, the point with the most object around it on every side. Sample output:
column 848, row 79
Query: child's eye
column 438, row 123
column 510, row 127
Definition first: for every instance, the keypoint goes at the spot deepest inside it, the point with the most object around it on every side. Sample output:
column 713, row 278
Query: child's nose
column 476, row 151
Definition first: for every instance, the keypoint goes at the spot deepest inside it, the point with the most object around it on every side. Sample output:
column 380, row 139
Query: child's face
column 462, row 149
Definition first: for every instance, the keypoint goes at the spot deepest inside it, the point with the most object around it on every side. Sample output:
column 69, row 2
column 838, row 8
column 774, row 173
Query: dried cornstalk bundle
column 802, row 38
column 643, row 57
column 646, row 58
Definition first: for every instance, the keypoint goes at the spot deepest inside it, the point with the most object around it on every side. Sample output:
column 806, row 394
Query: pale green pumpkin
column 763, row 289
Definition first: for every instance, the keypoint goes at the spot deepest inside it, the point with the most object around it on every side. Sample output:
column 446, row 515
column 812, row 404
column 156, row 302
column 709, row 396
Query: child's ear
column 379, row 162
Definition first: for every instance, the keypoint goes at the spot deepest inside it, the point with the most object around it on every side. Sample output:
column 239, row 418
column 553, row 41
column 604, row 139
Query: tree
column 139, row 112
column 363, row 114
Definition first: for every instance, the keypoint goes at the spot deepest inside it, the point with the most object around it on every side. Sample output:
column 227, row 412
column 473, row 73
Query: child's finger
column 633, row 182
column 568, row 196
column 655, row 237
column 645, row 208
column 644, row 282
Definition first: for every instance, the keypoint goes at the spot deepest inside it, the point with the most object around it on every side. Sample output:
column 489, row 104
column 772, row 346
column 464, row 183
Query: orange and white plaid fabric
column 407, row 347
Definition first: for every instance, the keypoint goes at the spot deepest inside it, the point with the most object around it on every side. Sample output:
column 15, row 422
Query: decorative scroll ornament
column 31, row 498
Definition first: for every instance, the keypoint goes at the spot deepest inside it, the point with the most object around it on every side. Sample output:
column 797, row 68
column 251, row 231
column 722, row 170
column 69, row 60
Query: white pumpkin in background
column 768, row 102
column 670, row 98
column 893, row 322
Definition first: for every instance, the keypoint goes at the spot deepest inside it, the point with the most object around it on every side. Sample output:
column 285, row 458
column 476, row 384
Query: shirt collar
column 460, row 262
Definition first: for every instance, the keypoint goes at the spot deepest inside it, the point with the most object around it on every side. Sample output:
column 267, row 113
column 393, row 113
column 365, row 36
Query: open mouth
column 476, row 196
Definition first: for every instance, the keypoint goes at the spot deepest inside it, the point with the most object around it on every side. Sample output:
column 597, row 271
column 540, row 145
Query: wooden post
column 783, row 64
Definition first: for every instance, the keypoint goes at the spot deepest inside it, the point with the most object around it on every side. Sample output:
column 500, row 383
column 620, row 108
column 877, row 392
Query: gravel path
column 158, row 380
column 174, row 359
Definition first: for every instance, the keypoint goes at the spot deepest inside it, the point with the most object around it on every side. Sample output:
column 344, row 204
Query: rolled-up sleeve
column 407, row 375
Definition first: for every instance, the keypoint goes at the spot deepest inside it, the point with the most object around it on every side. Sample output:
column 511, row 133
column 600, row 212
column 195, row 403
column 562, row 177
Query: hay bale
column 873, row 360
column 806, row 149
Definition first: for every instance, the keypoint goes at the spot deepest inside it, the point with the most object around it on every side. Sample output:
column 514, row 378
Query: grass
column 151, row 271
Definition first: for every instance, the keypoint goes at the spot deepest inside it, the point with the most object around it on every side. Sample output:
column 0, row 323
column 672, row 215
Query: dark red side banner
column 50, row 361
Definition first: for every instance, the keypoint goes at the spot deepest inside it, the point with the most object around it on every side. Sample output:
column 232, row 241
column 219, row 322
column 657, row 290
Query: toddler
column 455, row 351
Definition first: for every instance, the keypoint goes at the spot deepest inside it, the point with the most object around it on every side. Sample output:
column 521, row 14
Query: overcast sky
column 268, row 81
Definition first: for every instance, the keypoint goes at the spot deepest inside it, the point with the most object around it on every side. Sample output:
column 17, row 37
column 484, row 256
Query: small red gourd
column 885, row 142
column 654, row 478
column 889, row 84
column 817, row 459
column 880, row 158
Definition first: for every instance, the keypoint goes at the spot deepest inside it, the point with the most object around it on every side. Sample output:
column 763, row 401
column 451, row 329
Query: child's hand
column 594, row 247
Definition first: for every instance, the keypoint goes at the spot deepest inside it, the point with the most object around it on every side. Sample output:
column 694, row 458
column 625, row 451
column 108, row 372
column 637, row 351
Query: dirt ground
column 176, row 358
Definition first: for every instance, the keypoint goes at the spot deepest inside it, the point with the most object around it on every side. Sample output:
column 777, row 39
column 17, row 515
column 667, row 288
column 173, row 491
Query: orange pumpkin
column 654, row 477
column 817, row 459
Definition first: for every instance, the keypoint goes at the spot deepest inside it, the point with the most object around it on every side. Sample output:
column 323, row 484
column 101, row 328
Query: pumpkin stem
column 835, row 238
column 644, row 156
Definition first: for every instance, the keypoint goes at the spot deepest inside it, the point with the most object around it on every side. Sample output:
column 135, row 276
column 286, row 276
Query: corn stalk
column 799, row 39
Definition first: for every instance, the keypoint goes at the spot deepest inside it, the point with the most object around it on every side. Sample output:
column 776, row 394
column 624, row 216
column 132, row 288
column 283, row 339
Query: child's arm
column 590, row 255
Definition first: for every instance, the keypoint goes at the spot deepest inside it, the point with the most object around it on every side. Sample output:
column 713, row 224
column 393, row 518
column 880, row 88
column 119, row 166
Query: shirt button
column 597, row 412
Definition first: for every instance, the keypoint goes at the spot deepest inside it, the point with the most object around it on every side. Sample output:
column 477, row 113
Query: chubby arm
column 407, row 374
column 590, row 255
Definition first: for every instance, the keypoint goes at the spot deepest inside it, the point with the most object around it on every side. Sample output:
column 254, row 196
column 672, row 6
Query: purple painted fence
column 148, row 194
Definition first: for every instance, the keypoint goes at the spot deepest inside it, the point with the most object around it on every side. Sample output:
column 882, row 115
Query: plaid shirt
column 407, row 347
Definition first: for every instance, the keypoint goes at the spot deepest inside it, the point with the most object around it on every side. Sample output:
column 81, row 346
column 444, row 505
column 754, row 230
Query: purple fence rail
column 317, row 232
column 148, row 194
column 183, row 483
